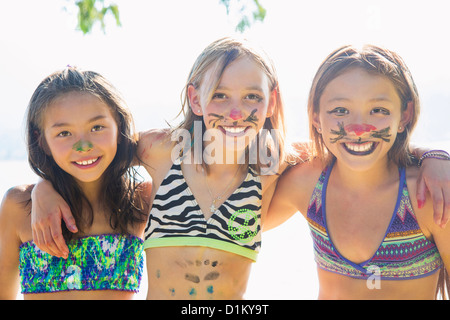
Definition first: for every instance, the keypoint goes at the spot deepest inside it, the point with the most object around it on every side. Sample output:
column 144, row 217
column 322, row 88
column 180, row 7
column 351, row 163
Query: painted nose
column 82, row 146
column 359, row 129
column 236, row 114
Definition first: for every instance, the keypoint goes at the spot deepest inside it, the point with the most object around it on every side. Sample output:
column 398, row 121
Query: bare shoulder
column 16, row 206
column 304, row 173
column 299, row 181
column 17, row 197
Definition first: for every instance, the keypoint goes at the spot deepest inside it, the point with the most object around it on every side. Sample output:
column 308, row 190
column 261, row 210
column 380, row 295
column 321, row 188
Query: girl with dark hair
column 79, row 136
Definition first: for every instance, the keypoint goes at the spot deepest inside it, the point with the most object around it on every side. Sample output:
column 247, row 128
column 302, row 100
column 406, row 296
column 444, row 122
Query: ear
column 194, row 100
column 407, row 116
column 316, row 122
column 272, row 103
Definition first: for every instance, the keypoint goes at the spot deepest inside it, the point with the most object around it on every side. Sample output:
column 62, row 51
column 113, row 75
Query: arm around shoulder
column 152, row 145
column 440, row 236
column 292, row 193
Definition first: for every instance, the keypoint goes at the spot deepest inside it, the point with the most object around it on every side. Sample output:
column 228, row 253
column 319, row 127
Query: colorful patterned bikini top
column 104, row 262
column 404, row 254
column 177, row 220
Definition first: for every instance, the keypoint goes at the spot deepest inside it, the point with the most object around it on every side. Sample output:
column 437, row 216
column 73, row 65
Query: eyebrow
column 257, row 88
column 342, row 99
column 66, row 124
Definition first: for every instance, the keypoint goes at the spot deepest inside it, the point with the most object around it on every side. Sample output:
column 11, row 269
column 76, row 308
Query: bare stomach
column 336, row 286
column 196, row 273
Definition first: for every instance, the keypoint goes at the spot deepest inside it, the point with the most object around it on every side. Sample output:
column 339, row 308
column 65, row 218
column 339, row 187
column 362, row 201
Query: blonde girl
column 205, row 227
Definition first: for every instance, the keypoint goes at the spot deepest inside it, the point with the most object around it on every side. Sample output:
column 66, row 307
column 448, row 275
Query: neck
column 92, row 192
column 368, row 179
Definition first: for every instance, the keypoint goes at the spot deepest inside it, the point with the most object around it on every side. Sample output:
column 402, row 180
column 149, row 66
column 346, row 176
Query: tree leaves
column 92, row 11
column 247, row 16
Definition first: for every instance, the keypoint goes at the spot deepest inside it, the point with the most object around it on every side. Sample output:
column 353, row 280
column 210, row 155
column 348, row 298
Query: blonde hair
column 376, row 60
column 205, row 76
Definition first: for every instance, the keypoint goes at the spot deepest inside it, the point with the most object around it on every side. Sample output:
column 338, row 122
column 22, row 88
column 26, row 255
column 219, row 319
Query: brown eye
column 97, row 128
column 339, row 111
column 380, row 111
column 64, row 134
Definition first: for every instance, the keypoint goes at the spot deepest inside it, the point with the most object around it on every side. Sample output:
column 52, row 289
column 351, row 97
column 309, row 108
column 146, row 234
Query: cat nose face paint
column 82, row 146
column 359, row 129
column 236, row 114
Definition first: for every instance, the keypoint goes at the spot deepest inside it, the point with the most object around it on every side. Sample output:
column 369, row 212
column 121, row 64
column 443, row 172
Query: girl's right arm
column 11, row 214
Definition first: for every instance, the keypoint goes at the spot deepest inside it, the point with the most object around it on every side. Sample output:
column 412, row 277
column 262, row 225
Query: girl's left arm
column 434, row 177
column 9, row 245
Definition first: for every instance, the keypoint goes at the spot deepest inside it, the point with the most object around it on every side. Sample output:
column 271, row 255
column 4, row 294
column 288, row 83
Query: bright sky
column 149, row 57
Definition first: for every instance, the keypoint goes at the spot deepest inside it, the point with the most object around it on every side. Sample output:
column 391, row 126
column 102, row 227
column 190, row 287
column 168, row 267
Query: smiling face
column 239, row 105
column 359, row 117
column 81, row 134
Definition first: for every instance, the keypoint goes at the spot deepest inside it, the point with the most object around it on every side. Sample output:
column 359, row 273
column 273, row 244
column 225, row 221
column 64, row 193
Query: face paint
column 235, row 114
column 252, row 118
column 340, row 133
column 359, row 129
column 82, row 146
column 192, row 277
column 382, row 134
column 217, row 116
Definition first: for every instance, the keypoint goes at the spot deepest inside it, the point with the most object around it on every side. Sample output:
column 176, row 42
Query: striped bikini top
column 177, row 220
column 103, row 262
column 405, row 253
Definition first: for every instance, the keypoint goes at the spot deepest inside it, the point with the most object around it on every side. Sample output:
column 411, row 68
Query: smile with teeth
column 359, row 148
column 234, row 129
column 87, row 162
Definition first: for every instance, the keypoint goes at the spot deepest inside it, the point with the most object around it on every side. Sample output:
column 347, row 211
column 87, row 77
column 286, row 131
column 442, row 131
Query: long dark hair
column 119, row 181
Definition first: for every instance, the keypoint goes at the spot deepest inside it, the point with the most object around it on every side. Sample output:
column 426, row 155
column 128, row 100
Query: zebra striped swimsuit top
column 405, row 253
column 177, row 220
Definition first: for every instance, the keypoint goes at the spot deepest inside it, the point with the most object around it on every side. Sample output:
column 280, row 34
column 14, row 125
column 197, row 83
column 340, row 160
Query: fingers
column 47, row 235
column 69, row 219
column 41, row 239
column 446, row 208
column 421, row 192
column 438, row 206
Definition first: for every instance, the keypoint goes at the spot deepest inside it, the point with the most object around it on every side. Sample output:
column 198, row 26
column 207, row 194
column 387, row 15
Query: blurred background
column 148, row 57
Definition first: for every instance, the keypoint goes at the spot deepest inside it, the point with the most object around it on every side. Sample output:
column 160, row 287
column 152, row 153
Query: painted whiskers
column 217, row 117
column 382, row 134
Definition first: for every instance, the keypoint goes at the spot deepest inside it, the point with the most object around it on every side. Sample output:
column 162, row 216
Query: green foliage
column 246, row 19
column 92, row 11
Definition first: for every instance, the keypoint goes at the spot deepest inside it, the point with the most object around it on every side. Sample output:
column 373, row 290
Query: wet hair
column 205, row 76
column 119, row 183
column 377, row 61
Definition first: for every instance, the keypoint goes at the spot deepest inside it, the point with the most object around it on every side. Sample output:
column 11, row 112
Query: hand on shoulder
column 154, row 145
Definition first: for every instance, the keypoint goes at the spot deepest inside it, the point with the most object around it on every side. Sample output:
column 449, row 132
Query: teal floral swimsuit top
column 104, row 262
